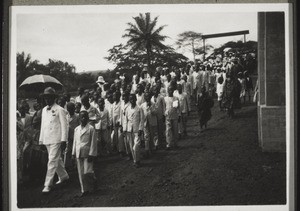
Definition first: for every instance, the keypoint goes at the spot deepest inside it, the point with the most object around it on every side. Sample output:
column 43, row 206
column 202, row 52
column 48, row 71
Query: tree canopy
column 129, row 62
column 144, row 46
column 143, row 36
column 238, row 47
column 63, row 71
column 189, row 40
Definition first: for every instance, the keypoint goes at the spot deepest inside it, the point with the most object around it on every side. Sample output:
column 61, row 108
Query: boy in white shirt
column 116, row 135
column 140, row 95
column 185, row 109
column 173, row 115
column 108, row 102
column 159, row 102
column 124, row 106
column 150, row 124
column 84, row 150
column 93, row 112
column 101, row 127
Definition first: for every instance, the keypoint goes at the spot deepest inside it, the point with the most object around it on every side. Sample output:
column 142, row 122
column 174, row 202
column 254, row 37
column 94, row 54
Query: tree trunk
column 149, row 58
column 193, row 47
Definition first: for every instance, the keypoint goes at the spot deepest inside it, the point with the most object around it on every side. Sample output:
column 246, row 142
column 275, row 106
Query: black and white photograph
column 179, row 106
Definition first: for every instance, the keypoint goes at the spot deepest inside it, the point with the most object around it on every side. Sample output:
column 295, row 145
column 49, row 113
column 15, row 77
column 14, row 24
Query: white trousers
column 135, row 145
column 126, row 143
column 150, row 136
column 84, row 167
column 55, row 164
column 117, row 139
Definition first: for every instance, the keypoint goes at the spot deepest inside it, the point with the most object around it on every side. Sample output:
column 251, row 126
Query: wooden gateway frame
column 226, row 34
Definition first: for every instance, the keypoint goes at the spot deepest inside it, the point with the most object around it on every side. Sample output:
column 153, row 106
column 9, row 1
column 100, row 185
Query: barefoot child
column 84, row 150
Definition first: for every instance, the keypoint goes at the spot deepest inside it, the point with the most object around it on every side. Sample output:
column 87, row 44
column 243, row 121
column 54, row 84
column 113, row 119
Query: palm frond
column 153, row 24
column 157, row 31
column 147, row 22
column 140, row 22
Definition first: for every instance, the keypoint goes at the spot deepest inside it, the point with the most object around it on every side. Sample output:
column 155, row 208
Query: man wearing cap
column 54, row 134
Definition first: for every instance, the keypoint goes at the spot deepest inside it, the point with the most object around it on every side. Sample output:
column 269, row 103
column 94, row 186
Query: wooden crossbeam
column 226, row 34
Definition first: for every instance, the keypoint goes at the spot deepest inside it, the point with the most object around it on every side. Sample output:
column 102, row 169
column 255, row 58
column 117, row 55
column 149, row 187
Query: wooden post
column 244, row 38
column 203, row 49
column 193, row 51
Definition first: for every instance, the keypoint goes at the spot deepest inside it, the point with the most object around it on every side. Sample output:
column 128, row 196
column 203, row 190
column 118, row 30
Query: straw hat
column 100, row 80
column 49, row 91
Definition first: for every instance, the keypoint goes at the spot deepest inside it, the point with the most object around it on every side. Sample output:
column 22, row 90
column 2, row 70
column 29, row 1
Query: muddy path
column 221, row 166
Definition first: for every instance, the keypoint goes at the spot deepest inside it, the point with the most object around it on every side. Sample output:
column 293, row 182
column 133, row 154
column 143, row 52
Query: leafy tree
column 85, row 80
column 25, row 66
column 126, row 60
column 169, row 57
column 63, row 71
column 191, row 40
column 143, row 36
column 200, row 50
column 238, row 47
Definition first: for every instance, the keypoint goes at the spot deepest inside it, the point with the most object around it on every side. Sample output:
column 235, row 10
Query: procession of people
column 132, row 117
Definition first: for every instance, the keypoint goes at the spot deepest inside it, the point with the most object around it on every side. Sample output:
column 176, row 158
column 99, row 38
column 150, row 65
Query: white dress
column 220, row 87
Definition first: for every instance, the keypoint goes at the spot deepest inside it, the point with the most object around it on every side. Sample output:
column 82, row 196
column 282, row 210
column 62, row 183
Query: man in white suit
column 54, row 134
column 134, row 128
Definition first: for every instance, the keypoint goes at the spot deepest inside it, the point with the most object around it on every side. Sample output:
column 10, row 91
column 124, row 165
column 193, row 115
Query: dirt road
column 221, row 166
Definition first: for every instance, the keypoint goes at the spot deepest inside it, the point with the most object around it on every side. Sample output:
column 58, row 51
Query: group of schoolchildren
column 139, row 115
column 131, row 115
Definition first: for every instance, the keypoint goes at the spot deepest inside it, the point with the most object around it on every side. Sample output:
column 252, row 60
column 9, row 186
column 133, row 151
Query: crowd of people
column 132, row 117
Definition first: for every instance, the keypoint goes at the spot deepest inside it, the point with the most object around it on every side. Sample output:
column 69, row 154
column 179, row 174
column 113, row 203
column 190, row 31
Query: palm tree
column 144, row 37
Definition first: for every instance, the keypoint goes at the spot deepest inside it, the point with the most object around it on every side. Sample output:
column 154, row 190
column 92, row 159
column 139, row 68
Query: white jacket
column 134, row 119
column 85, row 142
column 54, row 127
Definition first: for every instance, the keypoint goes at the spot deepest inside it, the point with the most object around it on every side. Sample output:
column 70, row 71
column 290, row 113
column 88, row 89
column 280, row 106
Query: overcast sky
column 83, row 39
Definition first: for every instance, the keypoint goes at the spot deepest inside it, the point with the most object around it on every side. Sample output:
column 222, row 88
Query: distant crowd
column 132, row 117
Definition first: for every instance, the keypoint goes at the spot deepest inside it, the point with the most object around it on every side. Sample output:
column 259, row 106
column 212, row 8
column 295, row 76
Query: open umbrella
column 226, row 49
column 37, row 83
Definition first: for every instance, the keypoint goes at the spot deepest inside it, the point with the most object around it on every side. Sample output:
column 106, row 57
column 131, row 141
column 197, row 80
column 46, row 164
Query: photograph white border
column 163, row 8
